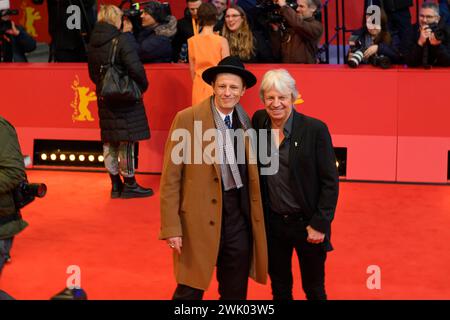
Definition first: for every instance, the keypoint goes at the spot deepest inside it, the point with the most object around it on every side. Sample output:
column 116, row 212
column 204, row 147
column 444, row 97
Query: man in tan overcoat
column 211, row 209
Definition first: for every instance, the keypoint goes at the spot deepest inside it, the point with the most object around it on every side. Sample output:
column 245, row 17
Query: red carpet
column 403, row 229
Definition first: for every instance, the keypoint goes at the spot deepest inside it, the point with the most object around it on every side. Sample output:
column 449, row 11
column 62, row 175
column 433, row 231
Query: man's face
column 303, row 10
column 193, row 7
column 427, row 16
column 228, row 90
column 147, row 20
column 220, row 5
column 278, row 104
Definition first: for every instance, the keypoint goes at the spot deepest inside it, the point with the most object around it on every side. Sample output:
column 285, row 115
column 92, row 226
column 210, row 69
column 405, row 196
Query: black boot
column 132, row 190
column 117, row 186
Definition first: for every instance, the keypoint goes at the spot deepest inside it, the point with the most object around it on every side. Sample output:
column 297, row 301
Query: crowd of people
column 289, row 32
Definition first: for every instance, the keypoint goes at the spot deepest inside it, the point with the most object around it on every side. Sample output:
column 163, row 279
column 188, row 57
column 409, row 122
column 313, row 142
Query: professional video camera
column 357, row 50
column 272, row 10
column 25, row 193
column 6, row 25
column 133, row 13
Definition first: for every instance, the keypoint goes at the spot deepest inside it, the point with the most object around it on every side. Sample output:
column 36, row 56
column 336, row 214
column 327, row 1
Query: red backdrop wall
column 394, row 122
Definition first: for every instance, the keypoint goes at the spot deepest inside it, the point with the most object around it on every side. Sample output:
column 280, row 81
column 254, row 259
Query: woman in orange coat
column 205, row 49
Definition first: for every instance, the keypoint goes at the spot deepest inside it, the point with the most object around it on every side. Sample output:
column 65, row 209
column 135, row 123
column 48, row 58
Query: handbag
column 116, row 86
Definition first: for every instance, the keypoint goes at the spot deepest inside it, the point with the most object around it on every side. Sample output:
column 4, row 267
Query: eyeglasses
column 426, row 17
column 229, row 16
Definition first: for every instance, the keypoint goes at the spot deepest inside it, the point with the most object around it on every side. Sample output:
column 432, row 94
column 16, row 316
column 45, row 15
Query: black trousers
column 233, row 261
column 286, row 233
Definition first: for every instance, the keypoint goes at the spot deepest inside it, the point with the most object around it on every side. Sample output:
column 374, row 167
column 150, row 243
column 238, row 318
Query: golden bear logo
column 81, row 101
column 299, row 99
column 28, row 19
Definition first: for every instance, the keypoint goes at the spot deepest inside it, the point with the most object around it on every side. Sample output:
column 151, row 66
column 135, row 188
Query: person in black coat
column 429, row 47
column 121, row 125
column 299, row 187
column 375, row 41
column 186, row 28
column 15, row 42
column 69, row 45
column 155, row 38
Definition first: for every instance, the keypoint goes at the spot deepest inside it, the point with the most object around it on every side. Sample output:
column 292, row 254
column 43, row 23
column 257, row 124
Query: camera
column 439, row 33
column 6, row 25
column 25, row 193
column 272, row 11
column 357, row 50
column 133, row 13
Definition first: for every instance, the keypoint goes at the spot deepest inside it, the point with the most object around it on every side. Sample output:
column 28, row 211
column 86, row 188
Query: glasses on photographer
column 234, row 16
column 422, row 16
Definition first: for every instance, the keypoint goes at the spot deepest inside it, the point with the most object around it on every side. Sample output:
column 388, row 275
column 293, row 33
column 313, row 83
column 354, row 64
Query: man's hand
column 175, row 243
column 425, row 33
column 281, row 3
column 370, row 51
column 434, row 41
column 13, row 31
column 127, row 26
column 314, row 236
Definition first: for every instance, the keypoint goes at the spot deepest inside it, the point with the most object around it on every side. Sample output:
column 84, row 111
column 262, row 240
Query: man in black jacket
column 69, row 45
column 431, row 41
column 155, row 38
column 14, row 41
column 186, row 28
column 300, row 198
column 12, row 173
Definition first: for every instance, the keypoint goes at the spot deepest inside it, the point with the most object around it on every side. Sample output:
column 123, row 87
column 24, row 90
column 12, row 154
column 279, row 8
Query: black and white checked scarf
column 228, row 166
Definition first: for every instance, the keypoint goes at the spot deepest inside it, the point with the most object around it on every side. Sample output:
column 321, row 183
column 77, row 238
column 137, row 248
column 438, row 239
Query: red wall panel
column 393, row 122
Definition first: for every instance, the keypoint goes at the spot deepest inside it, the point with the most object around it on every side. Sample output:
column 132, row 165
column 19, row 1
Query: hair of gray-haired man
column 278, row 79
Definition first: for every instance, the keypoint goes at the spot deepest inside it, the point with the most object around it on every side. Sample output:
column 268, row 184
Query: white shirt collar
column 222, row 115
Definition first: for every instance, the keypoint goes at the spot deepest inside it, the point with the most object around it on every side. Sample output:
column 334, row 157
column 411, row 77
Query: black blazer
column 312, row 165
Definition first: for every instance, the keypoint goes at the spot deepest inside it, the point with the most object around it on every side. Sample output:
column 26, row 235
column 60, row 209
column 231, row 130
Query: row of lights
column 71, row 157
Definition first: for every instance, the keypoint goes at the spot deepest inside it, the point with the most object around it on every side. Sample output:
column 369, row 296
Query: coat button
column 212, row 223
column 216, row 179
column 214, row 201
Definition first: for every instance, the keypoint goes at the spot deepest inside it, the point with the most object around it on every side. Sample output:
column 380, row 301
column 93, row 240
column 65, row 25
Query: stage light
column 91, row 158
column 62, row 157
column 101, row 158
column 81, row 157
column 53, row 156
column 72, row 157
column 337, row 164
column 44, row 156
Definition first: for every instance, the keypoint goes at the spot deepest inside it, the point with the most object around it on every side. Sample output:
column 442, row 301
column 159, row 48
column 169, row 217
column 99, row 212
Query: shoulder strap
column 112, row 50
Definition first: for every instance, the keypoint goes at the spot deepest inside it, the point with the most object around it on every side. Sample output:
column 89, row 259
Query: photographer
column 14, row 40
column 155, row 38
column 186, row 28
column 431, row 46
column 374, row 44
column 12, row 173
column 69, row 45
column 299, row 42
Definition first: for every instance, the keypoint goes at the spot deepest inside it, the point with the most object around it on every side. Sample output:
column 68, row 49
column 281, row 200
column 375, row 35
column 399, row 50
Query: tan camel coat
column 191, row 206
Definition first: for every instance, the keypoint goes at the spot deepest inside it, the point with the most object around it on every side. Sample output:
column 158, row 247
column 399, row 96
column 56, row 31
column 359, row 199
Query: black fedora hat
column 230, row 64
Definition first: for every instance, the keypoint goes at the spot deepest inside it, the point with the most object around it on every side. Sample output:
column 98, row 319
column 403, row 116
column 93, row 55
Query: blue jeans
column 5, row 248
